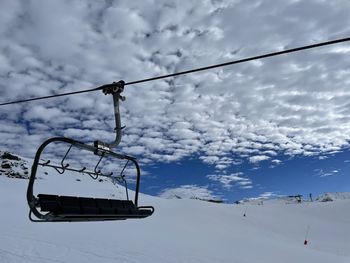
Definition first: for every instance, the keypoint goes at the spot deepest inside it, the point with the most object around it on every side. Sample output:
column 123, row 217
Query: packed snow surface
column 179, row 231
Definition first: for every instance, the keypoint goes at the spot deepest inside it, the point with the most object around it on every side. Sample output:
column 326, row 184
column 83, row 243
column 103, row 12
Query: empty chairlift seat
column 80, row 207
column 60, row 208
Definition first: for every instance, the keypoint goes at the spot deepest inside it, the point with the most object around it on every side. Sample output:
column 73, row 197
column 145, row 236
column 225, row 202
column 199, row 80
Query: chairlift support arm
column 115, row 90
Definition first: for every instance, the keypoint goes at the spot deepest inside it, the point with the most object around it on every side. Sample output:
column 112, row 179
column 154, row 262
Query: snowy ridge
column 325, row 197
column 13, row 166
column 328, row 197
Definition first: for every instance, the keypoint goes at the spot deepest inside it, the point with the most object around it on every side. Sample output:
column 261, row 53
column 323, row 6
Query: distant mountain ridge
column 324, row 197
column 13, row 166
column 328, row 197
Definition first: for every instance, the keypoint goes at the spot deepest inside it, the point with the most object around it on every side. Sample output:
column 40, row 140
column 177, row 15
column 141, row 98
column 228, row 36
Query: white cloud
column 258, row 158
column 189, row 192
column 276, row 161
column 229, row 180
column 247, row 187
column 267, row 195
column 42, row 113
column 326, row 172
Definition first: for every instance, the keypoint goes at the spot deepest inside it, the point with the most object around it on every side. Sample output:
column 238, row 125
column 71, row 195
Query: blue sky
column 213, row 134
column 297, row 175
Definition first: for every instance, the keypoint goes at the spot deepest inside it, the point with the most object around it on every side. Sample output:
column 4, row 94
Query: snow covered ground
column 179, row 231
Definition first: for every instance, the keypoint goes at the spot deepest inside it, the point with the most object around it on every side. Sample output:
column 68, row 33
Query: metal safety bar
column 92, row 174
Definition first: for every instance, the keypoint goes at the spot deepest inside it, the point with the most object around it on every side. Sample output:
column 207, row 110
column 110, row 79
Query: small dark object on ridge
column 9, row 156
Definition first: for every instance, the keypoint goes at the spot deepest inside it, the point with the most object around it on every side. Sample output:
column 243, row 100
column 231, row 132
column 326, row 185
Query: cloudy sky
column 269, row 127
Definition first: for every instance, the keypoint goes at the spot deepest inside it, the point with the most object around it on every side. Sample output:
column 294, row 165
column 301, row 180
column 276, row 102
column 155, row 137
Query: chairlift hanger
column 59, row 208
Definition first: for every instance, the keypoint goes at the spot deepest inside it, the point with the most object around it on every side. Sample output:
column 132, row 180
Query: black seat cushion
column 70, row 205
column 89, row 206
column 85, row 206
column 49, row 203
column 105, row 206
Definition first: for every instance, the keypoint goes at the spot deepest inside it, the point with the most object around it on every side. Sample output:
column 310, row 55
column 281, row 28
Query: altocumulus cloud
column 229, row 180
column 297, row 104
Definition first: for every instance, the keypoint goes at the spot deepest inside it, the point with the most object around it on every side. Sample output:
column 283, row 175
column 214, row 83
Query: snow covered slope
column 179, row 231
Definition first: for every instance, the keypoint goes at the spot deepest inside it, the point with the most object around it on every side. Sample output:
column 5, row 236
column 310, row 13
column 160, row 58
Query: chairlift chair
column 61, row 208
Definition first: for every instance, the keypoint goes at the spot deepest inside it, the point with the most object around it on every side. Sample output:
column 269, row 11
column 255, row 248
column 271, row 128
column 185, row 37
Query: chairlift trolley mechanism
column 55, row 208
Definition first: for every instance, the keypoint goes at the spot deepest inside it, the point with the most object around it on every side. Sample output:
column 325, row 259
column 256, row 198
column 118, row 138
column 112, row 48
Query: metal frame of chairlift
column 54, row 208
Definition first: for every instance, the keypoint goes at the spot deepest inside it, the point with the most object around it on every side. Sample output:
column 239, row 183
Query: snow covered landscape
column 181, row 230
column 227, row 120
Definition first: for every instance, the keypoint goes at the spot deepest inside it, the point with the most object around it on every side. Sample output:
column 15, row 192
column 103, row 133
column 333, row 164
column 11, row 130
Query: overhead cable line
column 327, row 43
